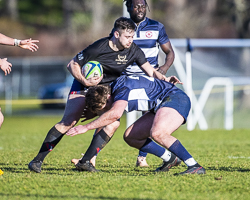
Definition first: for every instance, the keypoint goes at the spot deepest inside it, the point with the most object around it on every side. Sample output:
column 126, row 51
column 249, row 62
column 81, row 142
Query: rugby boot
column 196, row 169
column 92, row 160
column 86, row 166
column 167, row 165
column 35, row 166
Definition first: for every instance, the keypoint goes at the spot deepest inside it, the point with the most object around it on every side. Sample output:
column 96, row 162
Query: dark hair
column 129, row 3
column 96, row 97
column 124, row 23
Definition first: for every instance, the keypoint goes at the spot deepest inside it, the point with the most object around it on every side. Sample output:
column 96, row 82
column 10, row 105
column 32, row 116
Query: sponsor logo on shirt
column 80, row 56
column 121, row 59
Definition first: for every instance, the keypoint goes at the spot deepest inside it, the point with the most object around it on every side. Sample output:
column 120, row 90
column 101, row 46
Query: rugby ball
column 92, row 69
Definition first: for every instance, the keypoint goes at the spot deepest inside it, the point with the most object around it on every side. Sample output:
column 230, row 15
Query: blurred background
column 65, row 27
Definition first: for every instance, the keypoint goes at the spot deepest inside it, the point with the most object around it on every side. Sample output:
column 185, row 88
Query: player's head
column 124, row 30
column 136, row 9
column 98, row 98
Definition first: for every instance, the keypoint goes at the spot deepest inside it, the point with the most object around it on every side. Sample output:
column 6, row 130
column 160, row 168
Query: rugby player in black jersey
column 115, row 54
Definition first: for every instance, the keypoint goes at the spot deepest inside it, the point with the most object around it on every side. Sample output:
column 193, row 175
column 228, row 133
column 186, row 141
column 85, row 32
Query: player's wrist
column 17, row 42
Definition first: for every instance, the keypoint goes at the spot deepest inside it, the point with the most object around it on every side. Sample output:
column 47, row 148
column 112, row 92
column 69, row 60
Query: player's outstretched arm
column 5, row 66
column 105, row 119
column 25, row 44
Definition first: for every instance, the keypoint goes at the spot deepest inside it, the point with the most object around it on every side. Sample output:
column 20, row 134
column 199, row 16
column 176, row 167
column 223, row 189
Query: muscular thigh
column 141, row 128
column 73, row 111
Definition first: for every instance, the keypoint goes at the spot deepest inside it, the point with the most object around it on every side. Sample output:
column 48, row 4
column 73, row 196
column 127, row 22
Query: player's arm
column 152, row 72
column 105, row 119
column 75, row 69
column 25, row 44
column 169, row 52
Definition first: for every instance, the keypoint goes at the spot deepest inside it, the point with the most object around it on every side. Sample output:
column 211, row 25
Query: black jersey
column 113, row 62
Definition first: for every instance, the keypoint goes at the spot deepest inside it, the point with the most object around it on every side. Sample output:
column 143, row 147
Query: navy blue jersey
column 113, row 62
column 145, row 93
column 149, row 35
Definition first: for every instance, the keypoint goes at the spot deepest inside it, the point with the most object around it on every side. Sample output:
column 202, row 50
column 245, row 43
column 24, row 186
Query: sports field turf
column 224, row 154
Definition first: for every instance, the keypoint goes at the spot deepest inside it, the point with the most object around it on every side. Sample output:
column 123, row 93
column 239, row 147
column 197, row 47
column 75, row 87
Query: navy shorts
column 177, row 100
column 77, row 87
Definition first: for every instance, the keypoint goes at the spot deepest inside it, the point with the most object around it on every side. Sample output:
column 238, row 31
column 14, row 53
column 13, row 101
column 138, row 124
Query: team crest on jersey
column 121, row 59
column 149, row 34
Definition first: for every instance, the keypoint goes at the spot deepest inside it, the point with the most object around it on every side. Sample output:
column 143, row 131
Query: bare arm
column 169, row 52
column 25, row 44
column 105, row 119
column 75, row 69
column 152, row 72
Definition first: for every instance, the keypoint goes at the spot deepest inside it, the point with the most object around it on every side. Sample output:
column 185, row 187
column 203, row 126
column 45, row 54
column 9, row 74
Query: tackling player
column 168, row 105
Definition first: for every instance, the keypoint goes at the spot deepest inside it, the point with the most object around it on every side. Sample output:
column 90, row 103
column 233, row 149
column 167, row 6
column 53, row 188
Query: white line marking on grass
column 238, row 157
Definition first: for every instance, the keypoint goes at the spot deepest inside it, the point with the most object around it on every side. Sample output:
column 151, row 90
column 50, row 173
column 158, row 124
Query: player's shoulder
column 154, row 22
column 101, row 42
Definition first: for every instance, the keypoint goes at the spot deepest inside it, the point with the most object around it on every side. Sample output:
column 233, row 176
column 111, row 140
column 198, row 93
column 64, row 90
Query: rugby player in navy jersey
column 149, row 35
column 114, row 53
column 168, row 108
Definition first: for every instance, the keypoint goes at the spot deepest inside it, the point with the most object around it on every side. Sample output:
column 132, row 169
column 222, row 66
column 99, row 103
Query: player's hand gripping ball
column 92, row 69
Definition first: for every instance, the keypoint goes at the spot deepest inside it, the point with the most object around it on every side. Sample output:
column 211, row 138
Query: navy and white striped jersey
column 149, row 35
column 143, row 93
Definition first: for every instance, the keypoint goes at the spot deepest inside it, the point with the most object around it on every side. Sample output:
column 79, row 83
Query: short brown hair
column 96, row 97
column 124, row 23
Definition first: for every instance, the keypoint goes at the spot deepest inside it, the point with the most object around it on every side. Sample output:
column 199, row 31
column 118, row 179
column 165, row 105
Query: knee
column 111, row 128
column 127, row 137
column 158, row 135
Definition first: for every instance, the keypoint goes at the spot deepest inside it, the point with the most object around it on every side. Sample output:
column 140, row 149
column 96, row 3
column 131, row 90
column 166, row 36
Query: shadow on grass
column 16, row 196
column 228, row 169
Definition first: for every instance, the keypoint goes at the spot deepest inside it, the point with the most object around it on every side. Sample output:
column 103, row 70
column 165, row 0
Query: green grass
column 224, row 154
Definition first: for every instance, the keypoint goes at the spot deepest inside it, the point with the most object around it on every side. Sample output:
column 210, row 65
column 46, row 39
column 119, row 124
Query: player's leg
column 166, row 121
column 141, row 158
column 1, row 118
column 137, row 136
column 73, row 110
column 98, row 142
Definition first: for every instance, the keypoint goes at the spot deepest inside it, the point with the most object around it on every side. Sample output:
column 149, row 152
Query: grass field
column 224, row 154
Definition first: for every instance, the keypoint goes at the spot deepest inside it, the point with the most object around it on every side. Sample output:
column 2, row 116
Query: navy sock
column 179, row 150
column 142, row 154
column 52, row 139
column 151, row 147
column 98, row 142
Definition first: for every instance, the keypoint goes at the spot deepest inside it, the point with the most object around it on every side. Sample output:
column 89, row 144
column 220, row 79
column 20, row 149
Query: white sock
column 190, row 162
column 166, row 156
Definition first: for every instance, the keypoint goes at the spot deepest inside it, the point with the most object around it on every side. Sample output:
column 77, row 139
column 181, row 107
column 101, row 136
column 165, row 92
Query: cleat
column 141, row 162
column 35, row 166
column 193, row 170
column 167, row 165
column 75, row 160
column 86, row 166
column 178, row 162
